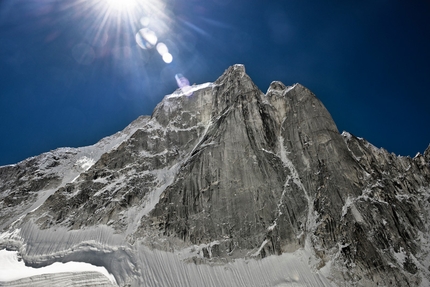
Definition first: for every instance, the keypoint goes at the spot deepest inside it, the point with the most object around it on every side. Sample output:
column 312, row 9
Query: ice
column 85, row 162
column 257, row 253
column 155, row 267
column 349, row 204
column 346, row 135
column 287, row 162
column 285, row 91
column 271, row 227
column 289, row 269
column 192, row 89
column 13, row 268
column 400, row 256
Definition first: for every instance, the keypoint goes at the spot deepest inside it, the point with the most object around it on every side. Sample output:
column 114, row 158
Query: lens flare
column 113, row 23
column 162, row 49
column 167, row 58
column 181, row 81
column 184, row 84
column 146, row 38
column 164, row 52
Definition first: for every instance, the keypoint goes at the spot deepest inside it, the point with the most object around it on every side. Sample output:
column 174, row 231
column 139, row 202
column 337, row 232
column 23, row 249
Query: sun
column 118, row 20
column 122, row 5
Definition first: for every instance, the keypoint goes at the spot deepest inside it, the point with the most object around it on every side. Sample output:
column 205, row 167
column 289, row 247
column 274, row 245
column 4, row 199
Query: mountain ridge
column 219, row 175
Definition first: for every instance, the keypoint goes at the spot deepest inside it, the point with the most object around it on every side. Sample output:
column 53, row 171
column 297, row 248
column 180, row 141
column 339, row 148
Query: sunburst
column 119, row 22
column 122, row 5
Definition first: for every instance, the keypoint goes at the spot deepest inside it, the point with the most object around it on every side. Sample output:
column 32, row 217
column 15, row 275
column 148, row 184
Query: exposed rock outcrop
column 231, row 172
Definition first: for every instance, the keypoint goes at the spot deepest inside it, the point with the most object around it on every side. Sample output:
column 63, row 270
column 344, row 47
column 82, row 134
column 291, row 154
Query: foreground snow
column 12, row 268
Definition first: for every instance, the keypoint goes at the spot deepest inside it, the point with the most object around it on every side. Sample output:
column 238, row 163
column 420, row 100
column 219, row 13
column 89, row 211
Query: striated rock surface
column 228, row 179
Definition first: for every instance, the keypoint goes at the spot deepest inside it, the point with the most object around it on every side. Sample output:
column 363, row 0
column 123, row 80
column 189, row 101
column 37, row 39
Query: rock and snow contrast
column 226, row 186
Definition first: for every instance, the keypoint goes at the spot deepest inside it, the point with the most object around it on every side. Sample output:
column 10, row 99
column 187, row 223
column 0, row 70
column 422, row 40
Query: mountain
column 222, row 186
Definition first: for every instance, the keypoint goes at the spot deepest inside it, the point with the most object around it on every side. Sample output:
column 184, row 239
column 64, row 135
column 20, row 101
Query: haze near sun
column 121, row 5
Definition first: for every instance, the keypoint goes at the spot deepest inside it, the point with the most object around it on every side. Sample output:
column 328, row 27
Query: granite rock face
column 228, row 173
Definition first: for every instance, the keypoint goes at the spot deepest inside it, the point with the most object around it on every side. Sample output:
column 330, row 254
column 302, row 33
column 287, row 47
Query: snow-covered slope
column 12, row 269
column 224, row 186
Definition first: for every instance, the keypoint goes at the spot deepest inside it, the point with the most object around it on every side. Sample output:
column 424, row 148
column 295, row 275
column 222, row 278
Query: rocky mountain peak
column 234, row 85
column 222, row 173
column 276, row 86
column 232, row 74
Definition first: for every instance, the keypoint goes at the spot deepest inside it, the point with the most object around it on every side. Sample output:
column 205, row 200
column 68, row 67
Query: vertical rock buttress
column 251, row 181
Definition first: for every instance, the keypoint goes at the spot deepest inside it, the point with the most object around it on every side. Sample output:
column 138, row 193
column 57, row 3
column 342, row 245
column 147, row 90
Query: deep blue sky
column 71, row 71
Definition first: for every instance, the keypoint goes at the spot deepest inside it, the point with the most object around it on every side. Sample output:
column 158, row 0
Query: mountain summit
column 224, row 186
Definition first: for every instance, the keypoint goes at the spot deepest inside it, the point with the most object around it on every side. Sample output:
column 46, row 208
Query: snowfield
column 12, row 268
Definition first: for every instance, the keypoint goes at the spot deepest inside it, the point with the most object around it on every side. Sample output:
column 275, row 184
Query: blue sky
column 71, row 71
